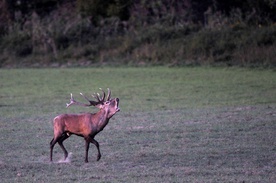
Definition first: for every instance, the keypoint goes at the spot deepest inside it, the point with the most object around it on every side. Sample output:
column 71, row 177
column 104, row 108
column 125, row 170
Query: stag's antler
column 100, row 100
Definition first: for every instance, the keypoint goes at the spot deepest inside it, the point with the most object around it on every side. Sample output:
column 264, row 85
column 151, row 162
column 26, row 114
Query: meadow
column 189, row 124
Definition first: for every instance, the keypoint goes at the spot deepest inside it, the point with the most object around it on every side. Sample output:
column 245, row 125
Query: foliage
column 163, row 32
column 98, row 9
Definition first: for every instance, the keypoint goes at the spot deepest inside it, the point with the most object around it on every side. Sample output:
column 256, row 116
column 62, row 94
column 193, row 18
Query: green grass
column 175, row 125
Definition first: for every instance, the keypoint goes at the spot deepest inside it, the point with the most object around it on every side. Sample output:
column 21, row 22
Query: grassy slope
column 176, row 124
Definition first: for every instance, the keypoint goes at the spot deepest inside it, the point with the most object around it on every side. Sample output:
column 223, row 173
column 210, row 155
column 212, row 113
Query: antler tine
column 96, row 96
column 90, row 101
column 103, row 97
column 84, row 97
column 108, row 94
column 72, row 101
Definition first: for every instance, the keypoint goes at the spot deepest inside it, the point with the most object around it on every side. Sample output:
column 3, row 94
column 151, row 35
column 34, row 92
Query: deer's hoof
column 99, row 157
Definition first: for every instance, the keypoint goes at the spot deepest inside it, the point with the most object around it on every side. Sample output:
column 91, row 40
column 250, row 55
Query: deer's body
column 86, row 125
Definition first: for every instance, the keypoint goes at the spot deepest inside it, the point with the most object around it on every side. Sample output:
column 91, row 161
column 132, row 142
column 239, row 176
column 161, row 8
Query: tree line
column 93, row 28
column 256, row 12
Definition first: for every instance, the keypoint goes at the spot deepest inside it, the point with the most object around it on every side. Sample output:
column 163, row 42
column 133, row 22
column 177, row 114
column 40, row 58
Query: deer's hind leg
column 60, row 142
column 52, row 144
column 59, row 137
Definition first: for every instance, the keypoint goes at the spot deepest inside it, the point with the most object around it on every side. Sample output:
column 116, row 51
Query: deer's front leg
column 98, row 147
column 87, row 142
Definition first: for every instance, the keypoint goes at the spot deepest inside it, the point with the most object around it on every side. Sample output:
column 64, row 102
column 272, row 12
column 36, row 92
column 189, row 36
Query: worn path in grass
column 175, row 125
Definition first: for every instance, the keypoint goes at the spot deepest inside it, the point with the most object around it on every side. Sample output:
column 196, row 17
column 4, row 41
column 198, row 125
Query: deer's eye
column 107, row 103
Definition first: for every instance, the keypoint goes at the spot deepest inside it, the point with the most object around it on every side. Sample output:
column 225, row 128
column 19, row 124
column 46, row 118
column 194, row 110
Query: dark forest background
column 55, row 33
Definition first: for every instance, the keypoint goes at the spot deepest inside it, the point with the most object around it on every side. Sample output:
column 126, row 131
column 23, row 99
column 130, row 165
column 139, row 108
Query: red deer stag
column 86, row 125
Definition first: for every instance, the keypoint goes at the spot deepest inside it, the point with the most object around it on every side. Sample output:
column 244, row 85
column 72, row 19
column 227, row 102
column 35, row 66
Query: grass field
column 175, row 125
